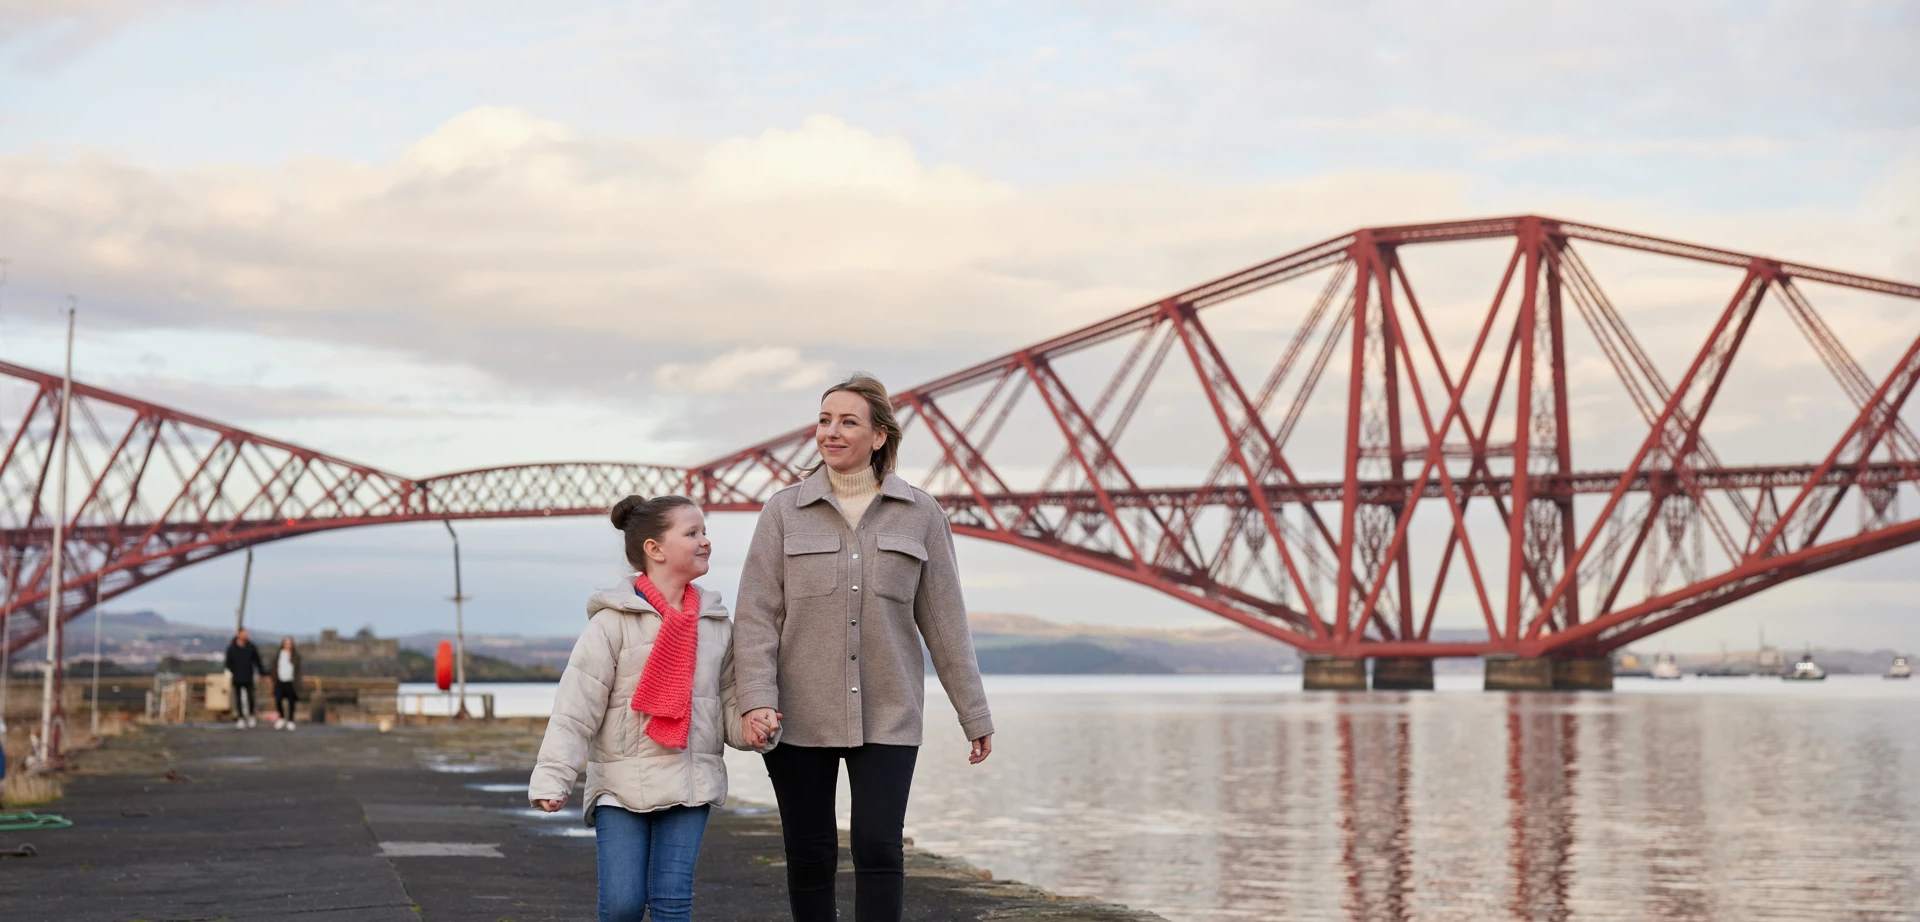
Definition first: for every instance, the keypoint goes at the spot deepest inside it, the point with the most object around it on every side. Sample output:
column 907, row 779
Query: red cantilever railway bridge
column 1468, row 413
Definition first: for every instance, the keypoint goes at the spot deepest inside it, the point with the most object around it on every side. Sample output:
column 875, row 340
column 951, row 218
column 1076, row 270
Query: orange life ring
column 443, row 666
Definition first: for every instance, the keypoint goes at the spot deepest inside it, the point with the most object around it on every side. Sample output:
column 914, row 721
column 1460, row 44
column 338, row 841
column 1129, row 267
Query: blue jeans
column 646, row 861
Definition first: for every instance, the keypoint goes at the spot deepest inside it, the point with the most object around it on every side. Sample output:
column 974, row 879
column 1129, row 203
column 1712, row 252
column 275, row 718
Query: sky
column 435, row 236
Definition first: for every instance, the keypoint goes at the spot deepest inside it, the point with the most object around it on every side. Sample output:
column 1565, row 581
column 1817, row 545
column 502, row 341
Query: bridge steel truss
column 1575, row 563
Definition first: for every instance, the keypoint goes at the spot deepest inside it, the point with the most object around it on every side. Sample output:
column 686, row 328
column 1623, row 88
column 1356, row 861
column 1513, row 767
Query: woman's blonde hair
column 880, row 410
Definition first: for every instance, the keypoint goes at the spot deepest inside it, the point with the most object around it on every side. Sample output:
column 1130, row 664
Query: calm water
column 1245, row 798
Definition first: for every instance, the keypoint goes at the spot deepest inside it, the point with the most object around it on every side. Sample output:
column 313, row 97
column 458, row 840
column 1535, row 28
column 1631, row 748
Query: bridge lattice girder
column 1543, row 554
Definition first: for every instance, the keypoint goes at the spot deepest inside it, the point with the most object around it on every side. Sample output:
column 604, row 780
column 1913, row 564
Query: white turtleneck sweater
column 855, row 492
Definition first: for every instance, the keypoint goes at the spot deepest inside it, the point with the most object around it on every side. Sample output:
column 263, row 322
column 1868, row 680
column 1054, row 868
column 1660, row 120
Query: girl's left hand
column 552, row 806
column 982, row 748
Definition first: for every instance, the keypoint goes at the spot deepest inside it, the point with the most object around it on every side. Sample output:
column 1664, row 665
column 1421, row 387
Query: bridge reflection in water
column 1233, row 798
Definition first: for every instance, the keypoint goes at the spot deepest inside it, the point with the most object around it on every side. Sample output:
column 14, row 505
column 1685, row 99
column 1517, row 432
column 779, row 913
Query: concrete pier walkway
column 344, row 824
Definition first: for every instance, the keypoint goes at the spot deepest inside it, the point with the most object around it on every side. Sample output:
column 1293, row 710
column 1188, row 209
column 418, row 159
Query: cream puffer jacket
column 594, row 722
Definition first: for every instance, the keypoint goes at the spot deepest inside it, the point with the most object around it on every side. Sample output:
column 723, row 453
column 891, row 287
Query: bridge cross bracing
column 1336, row 466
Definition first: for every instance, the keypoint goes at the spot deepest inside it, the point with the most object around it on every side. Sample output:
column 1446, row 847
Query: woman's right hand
column 551, row 806
column 757, row 725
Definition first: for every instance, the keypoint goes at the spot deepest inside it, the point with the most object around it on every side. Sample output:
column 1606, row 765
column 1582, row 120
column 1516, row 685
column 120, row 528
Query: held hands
column 759, row 725
column 551, row 806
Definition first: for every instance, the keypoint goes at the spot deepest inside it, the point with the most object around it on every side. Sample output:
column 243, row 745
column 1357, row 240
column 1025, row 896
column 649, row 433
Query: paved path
column 340, row 824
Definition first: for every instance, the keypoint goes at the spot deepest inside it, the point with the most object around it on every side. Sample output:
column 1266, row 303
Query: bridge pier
column 1403, row 673
column 1518, row 673
column 1541, row 673
column 1330, row 673
column 1583, row 673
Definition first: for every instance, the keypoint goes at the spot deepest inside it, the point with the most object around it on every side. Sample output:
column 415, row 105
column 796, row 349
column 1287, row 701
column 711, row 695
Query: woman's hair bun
column 624, row 509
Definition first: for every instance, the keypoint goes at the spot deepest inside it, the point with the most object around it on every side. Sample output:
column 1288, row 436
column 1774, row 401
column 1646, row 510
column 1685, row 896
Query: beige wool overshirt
column 831, row 618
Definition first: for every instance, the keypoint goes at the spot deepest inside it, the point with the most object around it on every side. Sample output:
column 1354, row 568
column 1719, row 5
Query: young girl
column 645, row 702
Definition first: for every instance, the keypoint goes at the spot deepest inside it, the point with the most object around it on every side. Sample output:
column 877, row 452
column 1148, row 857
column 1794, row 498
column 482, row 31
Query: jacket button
column 855, row 656
column 856, row 556
column 856, row 689
column 856, row 588
column 854, row 622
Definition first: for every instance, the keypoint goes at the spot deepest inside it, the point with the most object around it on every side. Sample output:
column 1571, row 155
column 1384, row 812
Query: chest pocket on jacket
column 813, row 565
column 896, row 571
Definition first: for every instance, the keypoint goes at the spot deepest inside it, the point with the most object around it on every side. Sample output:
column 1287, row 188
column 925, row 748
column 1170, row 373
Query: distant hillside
column 1007, row 643
column 1026, row 644
column 1837, row 662
column 416, row 666
column 551, row 652
column 1065, row 658
column 143, row 637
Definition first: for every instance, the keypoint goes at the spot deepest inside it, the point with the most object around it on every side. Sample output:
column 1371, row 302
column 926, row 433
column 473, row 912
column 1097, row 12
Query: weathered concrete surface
column 1325, row 673
column 1583, row 673
column 276, row 825
column 1403, row 673
column 1517, row 673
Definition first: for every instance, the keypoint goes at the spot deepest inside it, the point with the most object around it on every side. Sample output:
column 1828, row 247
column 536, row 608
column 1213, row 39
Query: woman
column 286, row 683
column 849, row 570
column 646, row 699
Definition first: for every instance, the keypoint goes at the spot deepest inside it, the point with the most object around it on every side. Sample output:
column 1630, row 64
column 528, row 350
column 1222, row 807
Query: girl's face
column 684, row 549
column 286, row 643
column 845, row 433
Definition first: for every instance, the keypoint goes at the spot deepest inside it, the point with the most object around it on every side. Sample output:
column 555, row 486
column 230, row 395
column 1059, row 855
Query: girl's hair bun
column 642, row 520
column 624, row 509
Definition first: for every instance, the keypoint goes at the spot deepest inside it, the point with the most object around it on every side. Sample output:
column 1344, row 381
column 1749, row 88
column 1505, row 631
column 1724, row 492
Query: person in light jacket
column 645, row 703
column 286, row 682
column 849, row 571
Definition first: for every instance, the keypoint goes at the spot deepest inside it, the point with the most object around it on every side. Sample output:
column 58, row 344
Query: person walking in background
column 286, row 683
column 645, row 703
column 243, row 662
column 849, row 571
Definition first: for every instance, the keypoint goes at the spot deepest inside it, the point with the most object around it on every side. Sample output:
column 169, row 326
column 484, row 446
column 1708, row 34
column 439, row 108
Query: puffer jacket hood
column 594, row 727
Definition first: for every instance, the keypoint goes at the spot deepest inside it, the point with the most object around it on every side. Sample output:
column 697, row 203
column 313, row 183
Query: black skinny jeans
column 242, row 697
column 804, row 781
column 285, row 696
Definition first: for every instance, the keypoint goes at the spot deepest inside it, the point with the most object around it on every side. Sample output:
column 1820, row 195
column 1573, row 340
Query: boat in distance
column 1806, row 670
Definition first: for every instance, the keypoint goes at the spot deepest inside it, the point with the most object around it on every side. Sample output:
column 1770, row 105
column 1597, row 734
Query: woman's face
column 286, row 643
column 845, row 433
column 684, row 549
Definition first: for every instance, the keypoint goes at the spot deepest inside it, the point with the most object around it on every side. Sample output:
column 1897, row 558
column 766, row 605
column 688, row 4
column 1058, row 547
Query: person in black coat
column 243, row 663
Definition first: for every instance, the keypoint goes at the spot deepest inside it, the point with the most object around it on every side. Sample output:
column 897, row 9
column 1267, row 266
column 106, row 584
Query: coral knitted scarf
column 665, row 690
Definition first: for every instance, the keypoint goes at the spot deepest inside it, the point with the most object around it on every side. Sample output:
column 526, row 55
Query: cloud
column 1632, row 68
column 541, row 254
column 42, row 34
column 759, row 368
column 253, row 404
column 561, row 261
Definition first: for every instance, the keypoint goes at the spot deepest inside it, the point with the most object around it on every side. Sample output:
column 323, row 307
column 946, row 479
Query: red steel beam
column 220, row 488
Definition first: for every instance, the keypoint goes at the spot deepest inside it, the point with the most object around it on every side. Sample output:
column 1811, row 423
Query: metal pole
column 246, row 579
column 6, row 613
column 6, row 640
column 50, row 716
column 93, row 717
column 459, row 624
